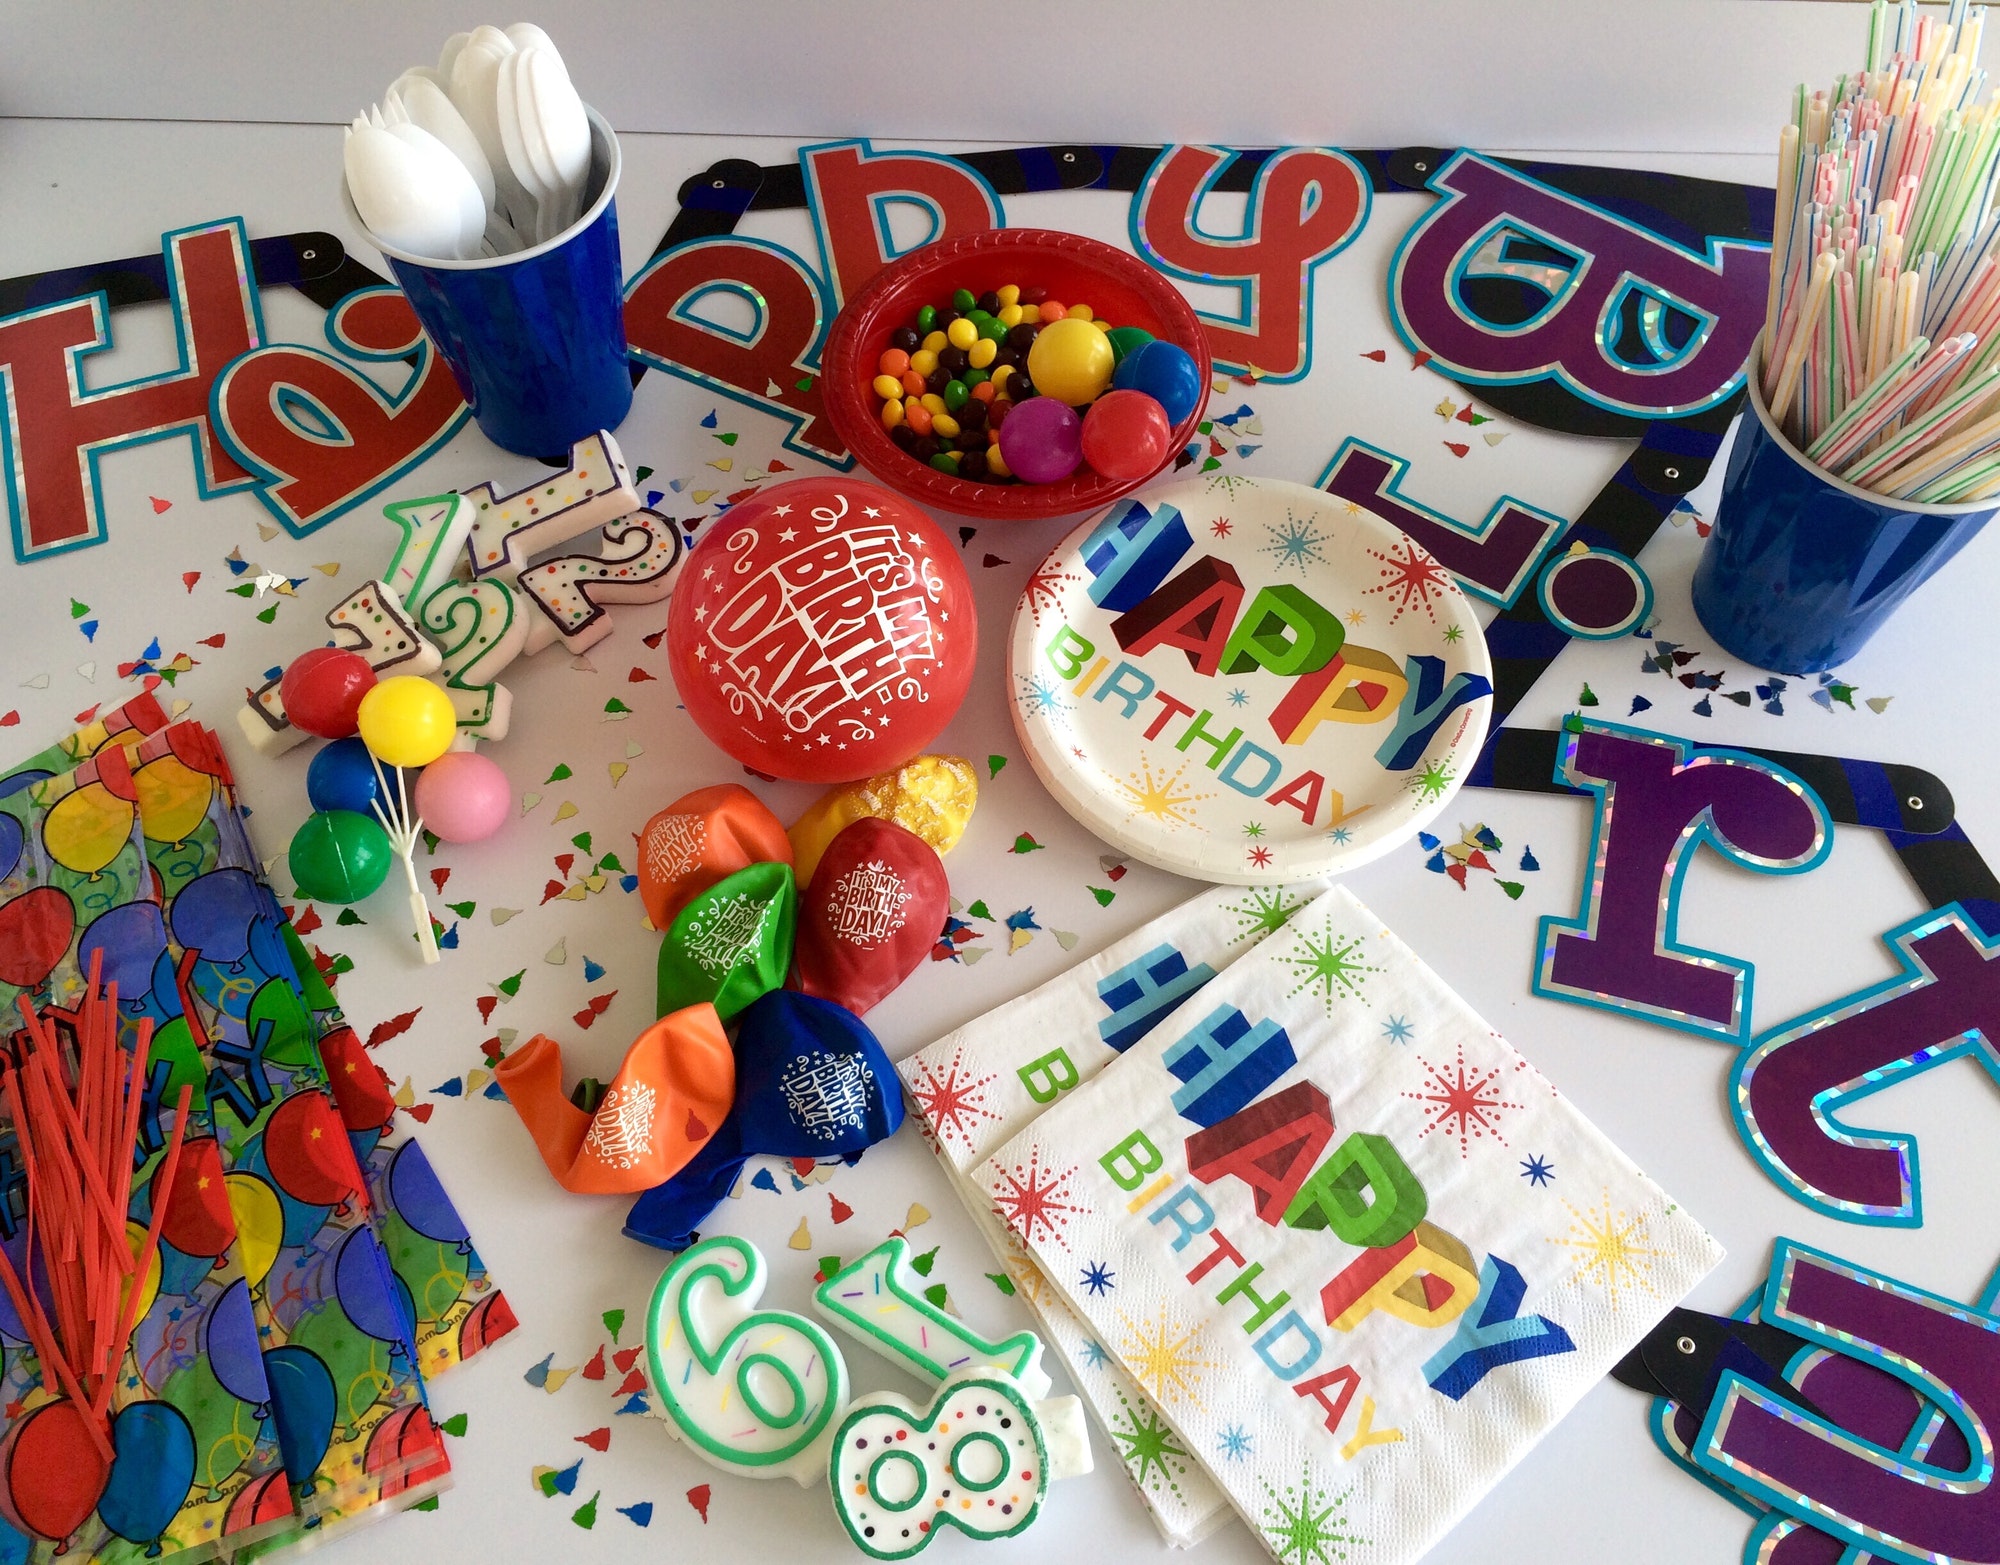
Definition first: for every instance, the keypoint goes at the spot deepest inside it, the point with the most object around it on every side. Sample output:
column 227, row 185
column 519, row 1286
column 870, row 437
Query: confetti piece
column 558, row 953
column 582, row 664
column 641, row 1515
column 801, row 1238
column 614, row 709
column 639, row 676
column 1065, row 938
column 564, row 811
column 1103, row 894
column 841, row 1210
column 88, row 714
column 529, row 801
column 509, row 987
column 1446, row 408
column 538, row 1374
column 1639, row 704
column 1493, row 437
column 455, row 1425
column 980, row 910
column 916, row 1217
column 1457, row 449
column 9, row 719
column 1001, row 1281
column 585, row 1515
column 1588, row 698
column 88, row 670
column 702, row 496
column 634, row 1382
column 1879, row 704
column 1025, row 843
column 1513, row 888
column 723, row 464
column 594, row 1370
column 698, row 1498
column 1019, row 940
column 633, row 749
column 1420, row 360
column 38, row 682
column 562, row 773
column 598, row 1440
column 763, row 1181
column 592, row 971
column 89, row 626
column 1703, row 709
column 394, row 1027
column 555, row 1383
column 614, row 1322
column 1379, row 355
column 618, row 769
column 972, row 956
column 500, row 915
column 189, row 578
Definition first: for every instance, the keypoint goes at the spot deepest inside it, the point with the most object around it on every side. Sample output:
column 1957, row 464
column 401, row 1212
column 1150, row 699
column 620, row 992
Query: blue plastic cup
column 1801, row 567
column 535, row 340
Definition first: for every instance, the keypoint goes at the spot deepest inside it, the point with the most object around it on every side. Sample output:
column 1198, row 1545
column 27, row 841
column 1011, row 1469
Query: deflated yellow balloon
column 260, row 1224
column 149, row 1285
column 933, row 796
column 173, row 798
column 87, row 829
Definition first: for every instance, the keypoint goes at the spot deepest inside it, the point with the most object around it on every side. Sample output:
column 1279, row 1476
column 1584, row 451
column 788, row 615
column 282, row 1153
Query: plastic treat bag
column 1359, row 1251
column 192, row 1401
column 348, row 1398
column 988, row 1081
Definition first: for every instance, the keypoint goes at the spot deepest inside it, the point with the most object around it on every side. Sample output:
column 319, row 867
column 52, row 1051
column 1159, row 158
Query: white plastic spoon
column 448, row 180
column 474, row 93
column 427, row 105
column 397, row 196
column 511, row 111
column 560, row 128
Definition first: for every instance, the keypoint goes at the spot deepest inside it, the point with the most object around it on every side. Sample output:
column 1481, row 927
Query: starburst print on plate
column 1146, row 1446
column 1229, row 483
column 1466, row 1104
column 1296, row 542
column 1454, row 633
column 1430, row 781
column 1035, row 1199
column 1610, row 1248
column 1263, row 911
column 1160, row 795
column 953, row 1100
column 1041, row 696
column 1302, row 1523
column 1044, row 589
column 1260, row 857
column 1537, row 1171
column 1411, row 578
column 1397, row 1029
column 1332, row 966
column 1093, row 1355
column 1165, row 1356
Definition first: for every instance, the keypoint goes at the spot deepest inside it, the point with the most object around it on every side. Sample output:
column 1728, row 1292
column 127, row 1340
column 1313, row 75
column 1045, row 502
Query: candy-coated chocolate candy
column 953, row 360
column 955, row 393
column 936, row 342
column 971, row 413
column 935, row 381
column 972, row 464
column 962, row 333
column 1053, row 311
column 1033, row 294
column 905, row 338
column 887, row 386
column 992, row 330
column 996, row 462
column 944, row 426
column 669, row 1096
column 912, row 384
column 1071, row 362
column 731, row 943
column 1042, row 440
column 926, row 318
column 946, row 462
column 1009, row 316
column 969, row 440
column 917, row 416
column 892, row 413
column 1167, row 373
column 1022, row 337
column 1081, row 312
column 982, row 353
column 932, row 401
column 903, row 435
column 925, row 448
column 1009, row 295
column 701, row 838
column 871, row 915
column 1031, row 314
column 982, row 387
column 963, row 300
column 923, row 361
column 933, row 796
column 989, row 302
column 1126, row 340
column 1126, row 436
column 893, row 361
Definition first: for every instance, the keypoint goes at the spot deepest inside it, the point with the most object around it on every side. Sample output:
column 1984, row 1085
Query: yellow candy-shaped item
column 932, row 796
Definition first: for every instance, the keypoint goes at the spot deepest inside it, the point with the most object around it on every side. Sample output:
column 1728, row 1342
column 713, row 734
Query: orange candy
column 984, row 391
column 913, row 383
column 1051, row 311
column 893, row 362
column 917, row 416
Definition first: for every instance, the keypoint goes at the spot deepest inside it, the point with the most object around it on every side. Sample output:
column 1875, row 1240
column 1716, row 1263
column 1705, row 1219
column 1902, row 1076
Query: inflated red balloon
column 871, row 915
column 322, row 691
column 823, row 632
column 34, row 933
column 51, row 1472
column 306, row 1150
column 198, row 1220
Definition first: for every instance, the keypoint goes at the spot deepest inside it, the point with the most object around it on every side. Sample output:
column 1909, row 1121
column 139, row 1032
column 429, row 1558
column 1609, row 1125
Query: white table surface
column 75, row 191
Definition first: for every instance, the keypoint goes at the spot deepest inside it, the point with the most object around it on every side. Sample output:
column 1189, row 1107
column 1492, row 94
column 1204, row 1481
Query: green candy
column 1127, row 339
column 964, row 300
column 340, row 856
column 946, row 462
column 956, row 395
column 991, row 330
column 971, row 378
column 732, row 943
column 927, row 319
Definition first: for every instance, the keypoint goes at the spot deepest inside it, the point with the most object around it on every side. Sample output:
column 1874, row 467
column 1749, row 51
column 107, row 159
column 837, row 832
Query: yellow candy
column 923, row 361
column 933, row 403
column 1071, row 361
column 892, row 413
column 1000, row 377
column 982, row 353
column 1101, row 324
column 1008, row 297
column 1079, row 312
column 1009, row 316
column 995, row 463
column 936, row 342
column 944, row 426
column 887, row 386
column 963, row 333
column 1031, row 313
column 933, row 796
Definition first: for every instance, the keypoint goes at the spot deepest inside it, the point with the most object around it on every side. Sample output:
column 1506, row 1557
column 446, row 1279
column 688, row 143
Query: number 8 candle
column 754, row 1392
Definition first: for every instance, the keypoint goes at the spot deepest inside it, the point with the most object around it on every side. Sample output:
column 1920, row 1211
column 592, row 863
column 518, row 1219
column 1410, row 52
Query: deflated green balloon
column 339, row 856
column 732, row 943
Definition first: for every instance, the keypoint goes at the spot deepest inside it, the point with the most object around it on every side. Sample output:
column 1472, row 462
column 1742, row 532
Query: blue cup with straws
column 535, row 339
column 1801, row 567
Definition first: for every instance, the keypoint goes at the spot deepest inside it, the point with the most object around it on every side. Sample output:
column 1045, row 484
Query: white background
column 75, row 192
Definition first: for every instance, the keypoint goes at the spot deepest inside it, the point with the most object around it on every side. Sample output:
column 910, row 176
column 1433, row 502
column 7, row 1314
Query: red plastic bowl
column 1119, row 288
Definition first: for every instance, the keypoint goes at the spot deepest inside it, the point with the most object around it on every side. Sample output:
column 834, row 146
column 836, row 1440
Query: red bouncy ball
column 823, row 632
column 1126, row 435
column 322, row 690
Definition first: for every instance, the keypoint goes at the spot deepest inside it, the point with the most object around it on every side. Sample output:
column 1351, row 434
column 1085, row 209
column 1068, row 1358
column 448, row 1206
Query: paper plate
column 1247, row 681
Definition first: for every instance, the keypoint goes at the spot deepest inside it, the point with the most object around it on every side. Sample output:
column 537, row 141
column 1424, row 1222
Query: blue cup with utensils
column 535, row 339
column 1801, row 568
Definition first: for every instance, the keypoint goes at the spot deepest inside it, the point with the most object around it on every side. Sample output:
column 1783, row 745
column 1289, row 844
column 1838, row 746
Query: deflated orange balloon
column 701, row 838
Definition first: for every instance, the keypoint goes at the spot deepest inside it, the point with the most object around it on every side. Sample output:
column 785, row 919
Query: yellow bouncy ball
column 1071, row 361
column 933, row 796
column 407, row 721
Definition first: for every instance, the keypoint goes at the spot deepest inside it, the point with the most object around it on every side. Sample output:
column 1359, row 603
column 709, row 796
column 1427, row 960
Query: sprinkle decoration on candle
column 1881, row 356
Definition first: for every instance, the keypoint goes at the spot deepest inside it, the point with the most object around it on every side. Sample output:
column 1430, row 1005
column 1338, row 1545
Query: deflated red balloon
column 872, row 913
column 198, row 1220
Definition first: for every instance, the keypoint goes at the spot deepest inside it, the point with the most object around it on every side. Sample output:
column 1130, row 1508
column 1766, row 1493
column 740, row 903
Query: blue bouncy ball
column 1167, row 373
column 342, row 777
